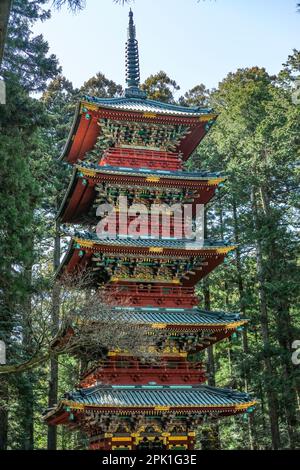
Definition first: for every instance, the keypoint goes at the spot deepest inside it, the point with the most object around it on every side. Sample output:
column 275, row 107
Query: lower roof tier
column 154, row 399
column 81, row 194
column 172, row 331
column 179, row 332
column 182, row 331
column 180, row 317
column 143, row 260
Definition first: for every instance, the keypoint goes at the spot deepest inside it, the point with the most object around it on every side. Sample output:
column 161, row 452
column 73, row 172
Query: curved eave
column 151, row 175
column 84, row 132
column 80, row 252
column 214, row 333
column 180, row 318
column 72, row 133
column 81, row 194
column 148, row 245
column 60, row 416
column 65, row 260
column 162, row 408
column 151, row 399
column 68, row 195
column 147, row 105
column 195, row 326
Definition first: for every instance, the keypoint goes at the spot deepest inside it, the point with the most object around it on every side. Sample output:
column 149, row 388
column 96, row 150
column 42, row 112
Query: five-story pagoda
column 135, row 147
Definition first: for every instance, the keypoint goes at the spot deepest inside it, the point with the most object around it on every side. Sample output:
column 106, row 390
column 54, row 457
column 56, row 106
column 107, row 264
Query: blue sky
column 193, row 41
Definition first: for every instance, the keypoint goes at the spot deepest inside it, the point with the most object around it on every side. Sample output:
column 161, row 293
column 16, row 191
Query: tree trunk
column 27, row 379
column 5, row 335
column 210, row 352
column 53, row 382
column 214, row 441
column 245, row 368
column 264, row 323
column 26, row 400
column 206, row 295
column 3, row 413
column 280, row 303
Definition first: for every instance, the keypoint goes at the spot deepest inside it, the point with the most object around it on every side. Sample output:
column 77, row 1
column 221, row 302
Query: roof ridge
column 149, row 171
column 145, row 101
column 86, row 235
column 159, row 387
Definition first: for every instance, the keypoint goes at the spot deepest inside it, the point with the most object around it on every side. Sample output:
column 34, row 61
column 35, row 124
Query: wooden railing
column 145, row 290
column 150, row 367
column 141, row 158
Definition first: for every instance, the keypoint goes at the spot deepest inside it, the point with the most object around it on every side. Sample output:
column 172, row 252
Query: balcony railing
column 117, row 366
column 142, row 158
column 145, row 290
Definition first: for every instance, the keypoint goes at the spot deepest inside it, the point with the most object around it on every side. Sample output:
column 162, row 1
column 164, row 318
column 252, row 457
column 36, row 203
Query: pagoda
column 135, row 147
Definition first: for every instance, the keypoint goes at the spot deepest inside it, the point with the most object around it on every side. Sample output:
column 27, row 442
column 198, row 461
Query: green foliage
column 197, row 96
column 26, row 68
column 160, row 87
column 102, row 87
column 25, row 55
column 255, row 142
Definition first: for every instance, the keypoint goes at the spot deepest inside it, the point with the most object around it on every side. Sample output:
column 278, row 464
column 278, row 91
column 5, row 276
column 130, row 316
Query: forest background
column 255, row 142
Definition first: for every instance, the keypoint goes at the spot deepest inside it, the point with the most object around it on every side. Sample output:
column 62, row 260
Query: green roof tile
column 198, row 395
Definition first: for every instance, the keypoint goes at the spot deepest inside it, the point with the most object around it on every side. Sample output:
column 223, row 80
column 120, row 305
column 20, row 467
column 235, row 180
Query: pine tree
column 26, row 68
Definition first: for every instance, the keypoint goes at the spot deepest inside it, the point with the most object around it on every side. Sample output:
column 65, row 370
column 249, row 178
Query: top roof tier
column 188, row 124
column 144, row 105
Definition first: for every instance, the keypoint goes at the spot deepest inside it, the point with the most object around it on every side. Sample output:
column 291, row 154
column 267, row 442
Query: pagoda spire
column 132, row 63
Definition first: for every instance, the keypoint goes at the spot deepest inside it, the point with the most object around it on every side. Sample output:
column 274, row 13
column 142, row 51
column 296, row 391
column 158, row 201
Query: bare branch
column 76, row 5
column 90, row 326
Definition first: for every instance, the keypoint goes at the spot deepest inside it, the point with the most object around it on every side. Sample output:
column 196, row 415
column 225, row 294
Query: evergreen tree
column 160, row 87
column 26, row 68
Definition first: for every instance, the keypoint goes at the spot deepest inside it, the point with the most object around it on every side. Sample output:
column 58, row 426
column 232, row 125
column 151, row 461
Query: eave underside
column 84, row 131
column 152, row 400
column 81, row 253
column 81, row 192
